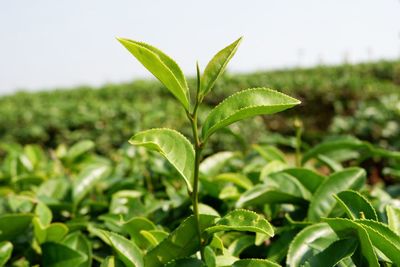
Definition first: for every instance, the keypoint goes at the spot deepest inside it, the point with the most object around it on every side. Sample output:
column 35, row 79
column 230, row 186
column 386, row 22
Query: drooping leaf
column 393, row 215
column 87, row 178
column 242, row 220
column 246, row 104
column 59, row 255
column 216, row 67
column 383, row 238
column 13, row 225
column 181, row 243
column 255, row 263
column 6, row 249
column 333, row 254
column 346, row 228
column 309, row 242
column 323, row 202
column 126, row 250
column 356, row 205
column 162, row 67
column 173, row 146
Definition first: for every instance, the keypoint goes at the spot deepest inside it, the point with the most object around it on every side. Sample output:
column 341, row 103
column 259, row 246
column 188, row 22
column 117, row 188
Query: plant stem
column 299, row 131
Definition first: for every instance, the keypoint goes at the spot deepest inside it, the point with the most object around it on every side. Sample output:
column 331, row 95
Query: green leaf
column 181, row 243
column 87, row 179
column 346, row 228
column 323, row 201
column 13, row 225
column 216, row 67
column 309, row 242
column 240, row 244
column 246, row 104
column 213, row 164
column 162, row 67
column 383, row 238
column 126, row 250
column 173, row 146
column 333, row 254
column 242, row 220
column 235, row 178
column 190, row 262
column 43, row 213
column 210, row 257
column 154, row 237
column 270, row 153
column 254, row 263
column 355, row 204
column 135, row 226
column 56, row 231
column 59, row 255
column 393, row 215
column 79, row 149
column 79, row 242
column 308, row 178
column 111, row 261
column 6, row 249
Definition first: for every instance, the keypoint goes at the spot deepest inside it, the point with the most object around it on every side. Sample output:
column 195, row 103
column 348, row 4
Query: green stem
column 299, row 131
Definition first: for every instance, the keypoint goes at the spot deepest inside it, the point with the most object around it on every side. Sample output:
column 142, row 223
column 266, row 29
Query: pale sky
column 46, row 44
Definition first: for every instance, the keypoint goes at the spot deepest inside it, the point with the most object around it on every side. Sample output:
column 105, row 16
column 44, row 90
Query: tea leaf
column 255, row 263
column 13, row 225
column 216, row 67
column 173, row 146
column 246, row 104
column 162, row 67
column 323, row 202
column 393, row 214
column 355, row 204
column 6, row 249
column 242, row 220
column 59, row 255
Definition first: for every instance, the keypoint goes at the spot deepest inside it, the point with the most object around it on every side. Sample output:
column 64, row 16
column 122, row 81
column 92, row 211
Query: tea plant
column 180, row 152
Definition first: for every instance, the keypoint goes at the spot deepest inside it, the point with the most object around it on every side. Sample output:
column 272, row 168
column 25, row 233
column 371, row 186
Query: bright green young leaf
column 210, row 257
column 226, row 260
column 59, row 255
column 6, row 249
column 242, row 220
column 134, row 226
column 86, row 180
column 173, row 146
column 13, row 225
column 332, row 164
column 346, row 228
column 213, row 164
column 111, row 261
column 255, row 263
column 393, row 215
column 309, row 242
column 44, row 213
column 270, row 153
column 356, row 205
column 323, row 202
column 162, row 67
column 216, row 67
column 79, row 149
column 126, row 250
column 235, row 178
column 79, row 242
column 246, row 104
column 333, row 254
column 383, row 238
column 181, row 243
column 55, row 232
column 154, row 237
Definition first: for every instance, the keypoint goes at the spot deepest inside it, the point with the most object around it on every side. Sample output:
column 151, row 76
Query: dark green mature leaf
column 346, row 228
column 59, row 255
column 240, row 244
column 356, row 205
column 13, row 225
column 173, row 146
column 333, row 254
column 246, row 104
column 87, row 178
column 309, row 242
column 126, row 250
column 162, row 67
column 181, row 243
column 393, row 215
column 308, row 178
column 323, row 201
column 254, row 263
column 216, row 67
column 6, row 249
column 79, row 242
column 242, row 220
column 383, row 238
